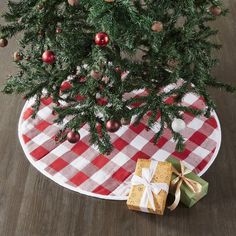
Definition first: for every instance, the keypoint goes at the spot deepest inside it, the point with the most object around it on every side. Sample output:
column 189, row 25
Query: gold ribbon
column 181, row 178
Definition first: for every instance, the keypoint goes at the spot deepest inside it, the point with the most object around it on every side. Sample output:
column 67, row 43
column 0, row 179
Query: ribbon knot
column 181, row 178
column 150, row 187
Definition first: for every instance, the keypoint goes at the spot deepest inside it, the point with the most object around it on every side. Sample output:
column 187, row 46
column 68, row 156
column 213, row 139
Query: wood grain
column 31, row 204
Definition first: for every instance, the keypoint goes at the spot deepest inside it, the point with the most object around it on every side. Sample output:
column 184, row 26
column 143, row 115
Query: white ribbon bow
column 150, row 188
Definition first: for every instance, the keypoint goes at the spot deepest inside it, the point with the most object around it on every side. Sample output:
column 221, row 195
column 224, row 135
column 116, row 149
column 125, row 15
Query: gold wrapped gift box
column 159, row 180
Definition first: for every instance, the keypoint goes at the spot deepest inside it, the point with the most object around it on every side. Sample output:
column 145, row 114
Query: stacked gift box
column 154, row 180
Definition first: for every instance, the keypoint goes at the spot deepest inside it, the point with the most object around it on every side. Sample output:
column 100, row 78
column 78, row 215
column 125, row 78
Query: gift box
column 186, row 185
column 150, row 186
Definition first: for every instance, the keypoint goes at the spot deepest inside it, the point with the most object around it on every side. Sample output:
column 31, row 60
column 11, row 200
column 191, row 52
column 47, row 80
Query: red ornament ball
column 49, row 57
column 102, row 39
column 113, row 126
column 215, row 10
column 17, row 57
column 3, row 42
column 80, row 98
column 102, row 101
column 73, row 137
column 73, row 2
column 58, row 30
column 66, row 85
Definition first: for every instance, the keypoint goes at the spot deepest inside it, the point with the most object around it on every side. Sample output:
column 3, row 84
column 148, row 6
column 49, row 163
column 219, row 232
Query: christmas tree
column 87, row 55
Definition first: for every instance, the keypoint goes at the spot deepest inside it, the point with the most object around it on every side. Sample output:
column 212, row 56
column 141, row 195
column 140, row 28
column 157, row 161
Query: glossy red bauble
column 80, row 98
column 215, row 10
column 73, row 2
column 118, row 70
column 49, row 57
column 17, row 57
column 66, row 85
column 58, row 30
column 3, row 43
column 101, row 39
column 113, row 125
column 73, row 137
column 102, row 101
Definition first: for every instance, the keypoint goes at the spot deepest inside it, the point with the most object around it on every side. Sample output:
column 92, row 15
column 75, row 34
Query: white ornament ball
column 178, row 125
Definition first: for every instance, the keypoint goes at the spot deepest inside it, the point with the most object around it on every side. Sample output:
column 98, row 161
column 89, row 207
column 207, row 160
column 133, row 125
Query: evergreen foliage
column 182, row 49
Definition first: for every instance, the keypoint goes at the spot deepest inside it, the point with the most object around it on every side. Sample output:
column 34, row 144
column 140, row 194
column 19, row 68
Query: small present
column 186, row 186
column 150, row 186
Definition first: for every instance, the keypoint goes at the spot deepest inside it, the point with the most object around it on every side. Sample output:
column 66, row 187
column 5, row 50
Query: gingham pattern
column 82, row 168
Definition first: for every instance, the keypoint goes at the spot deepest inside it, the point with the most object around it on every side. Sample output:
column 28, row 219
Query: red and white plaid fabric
column 80, row 167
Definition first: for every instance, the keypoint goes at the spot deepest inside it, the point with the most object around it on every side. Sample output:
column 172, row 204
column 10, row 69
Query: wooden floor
column 31, row 204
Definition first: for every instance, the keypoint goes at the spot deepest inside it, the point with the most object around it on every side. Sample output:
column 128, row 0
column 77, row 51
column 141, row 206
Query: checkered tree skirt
column 80, row 167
